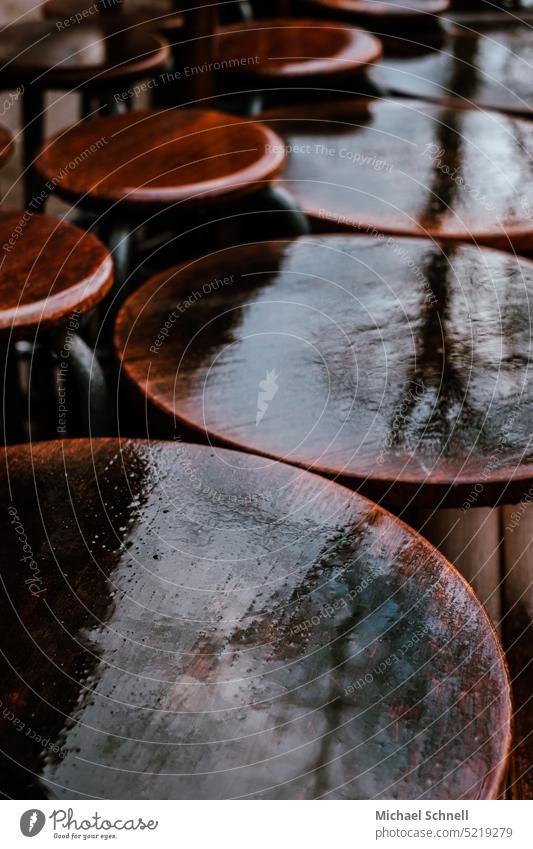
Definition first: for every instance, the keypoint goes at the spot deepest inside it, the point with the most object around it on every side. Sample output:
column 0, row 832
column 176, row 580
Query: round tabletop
column 40, row 53
column 383, row 10
column 410, row 168
column 184, row 626
column 159, row 14
column 49, row 269
column 159, row 158
column 488, row 68
column 401, row 367
column 292, row 49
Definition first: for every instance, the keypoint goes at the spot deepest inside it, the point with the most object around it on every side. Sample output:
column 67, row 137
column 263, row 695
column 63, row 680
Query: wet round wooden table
column 474, row 65
column 399, row 366
column 411, row 168
column 177, row 624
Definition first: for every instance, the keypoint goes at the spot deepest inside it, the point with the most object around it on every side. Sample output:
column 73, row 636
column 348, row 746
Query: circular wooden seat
column 382, row 11
column 158, row 14
column 49, row 269
column 292, row 50
column 400, row 367
column 189, row 626
column 410, row 168
column 488, row 69
column 38, row 53
column 159, row 158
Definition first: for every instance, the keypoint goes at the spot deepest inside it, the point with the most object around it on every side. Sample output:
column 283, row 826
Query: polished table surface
column 411, row 168
column 399, row 366
column 480, row 65
column 176, row 624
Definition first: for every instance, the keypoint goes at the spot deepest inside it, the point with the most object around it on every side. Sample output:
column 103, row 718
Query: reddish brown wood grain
column 277, row 49
column 411, row 168
column 159, row 158
column 49, row 269
column 401, row 367
column 189, row 626
column 37, row 52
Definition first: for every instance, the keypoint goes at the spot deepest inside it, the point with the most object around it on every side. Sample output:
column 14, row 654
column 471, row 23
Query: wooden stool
column 385, row 363
column 158, row 15
column 177, row 162
column 380, row 15
column 282, row 54
column 410, row 168
column 200, row 624
column 93, row 59
column 51, row 274
column 477, row 65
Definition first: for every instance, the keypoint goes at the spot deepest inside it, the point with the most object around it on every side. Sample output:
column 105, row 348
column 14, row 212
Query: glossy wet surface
column 293, row 48
column 176, row 625
column 398, row 365
column 411, row 168
column 50, row 271
column 490, row 68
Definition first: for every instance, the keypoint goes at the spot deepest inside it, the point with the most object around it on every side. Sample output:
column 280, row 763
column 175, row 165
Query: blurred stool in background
column 93, row 59
column 279, row 57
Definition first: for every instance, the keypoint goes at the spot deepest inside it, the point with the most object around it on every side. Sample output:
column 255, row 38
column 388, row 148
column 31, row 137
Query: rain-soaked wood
column 411, row 168
column 182, row 622
column 49, row 270
column 399, row 366
column 518, row 639
column 277, row 51
column 159, row 158
column 475, row 65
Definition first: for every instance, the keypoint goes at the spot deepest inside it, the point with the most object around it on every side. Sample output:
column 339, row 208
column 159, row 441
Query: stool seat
column 487, row 68
column 399, row 366
column 410, row 168
column 289, row 50
column 189, row 626
column 49, row 269
column 157, row 14
column 157, row 158
column 382, row 10
column 38, row 53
